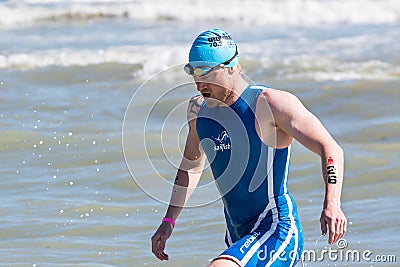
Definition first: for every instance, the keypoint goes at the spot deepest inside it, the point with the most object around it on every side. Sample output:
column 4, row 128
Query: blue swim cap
column 213, row 47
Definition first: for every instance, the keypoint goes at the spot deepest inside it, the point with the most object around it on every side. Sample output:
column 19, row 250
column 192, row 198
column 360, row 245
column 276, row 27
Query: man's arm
column 186, row 180
column 294, row 119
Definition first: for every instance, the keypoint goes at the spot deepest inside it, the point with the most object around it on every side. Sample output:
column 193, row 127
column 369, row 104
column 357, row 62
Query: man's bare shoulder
column 279, row 100
column 272, row 94
column 194, row 106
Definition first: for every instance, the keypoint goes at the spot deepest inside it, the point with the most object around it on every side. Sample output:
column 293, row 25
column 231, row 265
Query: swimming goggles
column 203, row 70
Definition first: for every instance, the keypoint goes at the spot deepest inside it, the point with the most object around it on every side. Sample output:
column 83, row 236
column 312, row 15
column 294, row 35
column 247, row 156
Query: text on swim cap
column 221, row 41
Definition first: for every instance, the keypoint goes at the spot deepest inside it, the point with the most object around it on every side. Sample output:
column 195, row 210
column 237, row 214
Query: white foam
column 284, row 12
column 154, row 59
column 320, row 68
column 25, row 15
column 65, row 58
column 150, row 59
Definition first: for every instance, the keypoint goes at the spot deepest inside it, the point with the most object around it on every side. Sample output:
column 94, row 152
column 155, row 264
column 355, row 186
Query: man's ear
column 232, row 69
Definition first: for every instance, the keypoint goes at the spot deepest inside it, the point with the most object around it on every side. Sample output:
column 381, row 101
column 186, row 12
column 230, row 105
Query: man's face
column 215, row 87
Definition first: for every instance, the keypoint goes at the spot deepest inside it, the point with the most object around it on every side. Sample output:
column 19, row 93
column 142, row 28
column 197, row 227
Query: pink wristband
column 171, row 221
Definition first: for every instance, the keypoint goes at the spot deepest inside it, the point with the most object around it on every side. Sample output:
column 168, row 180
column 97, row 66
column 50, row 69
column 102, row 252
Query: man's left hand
column 333, row 218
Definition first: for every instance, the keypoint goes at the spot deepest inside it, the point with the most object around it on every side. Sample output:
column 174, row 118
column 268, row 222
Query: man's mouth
column 206, row 94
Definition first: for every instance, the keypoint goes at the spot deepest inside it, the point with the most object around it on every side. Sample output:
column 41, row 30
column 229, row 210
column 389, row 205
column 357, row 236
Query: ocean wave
column 68, row 57
column 285, row 12
column 294, row 67
column 322, row 68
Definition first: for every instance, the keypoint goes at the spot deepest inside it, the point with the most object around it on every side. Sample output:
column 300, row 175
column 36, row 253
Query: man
column 246, row 133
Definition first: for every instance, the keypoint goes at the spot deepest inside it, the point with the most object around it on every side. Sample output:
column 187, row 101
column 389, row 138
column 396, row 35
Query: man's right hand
column 159, row 239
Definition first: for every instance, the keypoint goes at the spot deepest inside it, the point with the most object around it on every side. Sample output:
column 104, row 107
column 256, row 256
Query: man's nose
column 200, row 85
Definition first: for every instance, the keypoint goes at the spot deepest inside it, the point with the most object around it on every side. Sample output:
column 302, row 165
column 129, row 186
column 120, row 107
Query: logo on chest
column 224, row 142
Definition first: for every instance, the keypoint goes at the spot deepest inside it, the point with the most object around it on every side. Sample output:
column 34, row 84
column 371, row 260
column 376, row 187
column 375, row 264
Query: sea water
column 70, row 71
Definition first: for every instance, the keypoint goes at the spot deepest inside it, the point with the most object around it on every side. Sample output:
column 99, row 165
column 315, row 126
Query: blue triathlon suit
column 263, row 228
